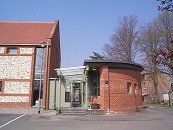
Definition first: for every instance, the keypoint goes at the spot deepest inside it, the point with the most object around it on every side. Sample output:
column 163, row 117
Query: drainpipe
column 55, row 95
column 86, row 87
column 47, row 76
column 59, row 104
column 109, row 90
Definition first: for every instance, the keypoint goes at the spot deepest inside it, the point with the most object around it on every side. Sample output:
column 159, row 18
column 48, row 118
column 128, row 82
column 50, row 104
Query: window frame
column 67, row 96
column 1, row 86
column 13, row 48
column 135, row 89
column 129, row 88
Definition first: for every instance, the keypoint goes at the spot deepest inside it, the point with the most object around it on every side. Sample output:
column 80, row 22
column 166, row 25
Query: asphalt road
column 148, row 119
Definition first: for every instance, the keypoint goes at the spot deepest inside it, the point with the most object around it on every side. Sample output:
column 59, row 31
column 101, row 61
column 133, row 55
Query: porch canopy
column 72, row 74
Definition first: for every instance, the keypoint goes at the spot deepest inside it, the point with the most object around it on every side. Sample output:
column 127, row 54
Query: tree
column 165, row 5
column 164, row 54
column 123, row 41
column 158, row 46
column 97, row 56
column 150, row 41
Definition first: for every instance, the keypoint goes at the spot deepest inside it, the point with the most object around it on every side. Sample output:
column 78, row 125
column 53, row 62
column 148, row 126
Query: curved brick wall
column 114, row 95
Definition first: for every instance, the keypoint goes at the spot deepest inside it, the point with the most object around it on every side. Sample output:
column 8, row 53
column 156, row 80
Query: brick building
column 101, row 84
column 148, row 90
column 116, row 86
column 29, row 53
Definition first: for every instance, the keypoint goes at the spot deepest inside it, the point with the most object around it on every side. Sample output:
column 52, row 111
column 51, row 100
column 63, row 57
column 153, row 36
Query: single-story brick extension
column 99, row 84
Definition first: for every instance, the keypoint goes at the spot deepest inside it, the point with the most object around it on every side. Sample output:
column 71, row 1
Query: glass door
column 76, row 102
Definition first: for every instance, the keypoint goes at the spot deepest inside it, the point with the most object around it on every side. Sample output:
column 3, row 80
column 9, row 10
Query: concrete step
column 73, row 111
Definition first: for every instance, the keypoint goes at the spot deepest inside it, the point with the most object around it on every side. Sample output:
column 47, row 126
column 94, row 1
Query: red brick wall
column 114, row 95
column 55, row 54
column 104, row 88
column 54, row 62
column 14, row 105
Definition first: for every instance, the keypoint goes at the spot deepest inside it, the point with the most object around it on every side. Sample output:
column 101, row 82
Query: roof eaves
column 53, row 29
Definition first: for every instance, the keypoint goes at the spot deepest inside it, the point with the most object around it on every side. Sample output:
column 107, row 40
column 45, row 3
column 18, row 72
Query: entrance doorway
column 76, row 96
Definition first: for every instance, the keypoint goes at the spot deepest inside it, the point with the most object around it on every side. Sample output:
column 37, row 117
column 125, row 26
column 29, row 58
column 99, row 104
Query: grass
column 159, row 105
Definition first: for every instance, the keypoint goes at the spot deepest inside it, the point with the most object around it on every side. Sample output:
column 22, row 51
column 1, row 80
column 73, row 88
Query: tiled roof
column 25, row 32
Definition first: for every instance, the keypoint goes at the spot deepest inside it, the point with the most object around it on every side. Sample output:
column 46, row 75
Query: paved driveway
column 148, row 119
column 4, row 118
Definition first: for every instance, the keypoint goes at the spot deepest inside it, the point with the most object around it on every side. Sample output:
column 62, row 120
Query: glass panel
column 38, row 62
column 38, row 71
column 12, row 50
column 67, row 97
column 0, row 86
column 94, row 82
column 129, row 88
column 135, row 90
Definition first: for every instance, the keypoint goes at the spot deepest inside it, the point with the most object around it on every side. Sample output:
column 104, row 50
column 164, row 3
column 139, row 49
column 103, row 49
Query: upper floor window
column 2, row 50
column 11, row 50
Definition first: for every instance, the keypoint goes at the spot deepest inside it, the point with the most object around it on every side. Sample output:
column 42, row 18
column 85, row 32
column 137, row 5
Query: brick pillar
column 104, row 88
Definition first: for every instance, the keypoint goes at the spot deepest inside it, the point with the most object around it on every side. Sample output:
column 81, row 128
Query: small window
column 11, row 50
column 129, row 91
column 2, row 50
column 144, row 91
column 67, row 97
column 0, row 86
column 135, row 88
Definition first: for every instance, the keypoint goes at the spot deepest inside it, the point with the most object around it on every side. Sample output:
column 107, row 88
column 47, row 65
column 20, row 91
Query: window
column 94, row 82
column 129, row 91
column 144, row 91
column 0, row 86
column 67, row 97
column 140, row 90
column 2, row 50
column 11, row 50
column 135, row 88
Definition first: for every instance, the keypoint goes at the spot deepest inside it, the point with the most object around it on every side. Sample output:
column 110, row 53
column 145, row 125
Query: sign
column 165, row 96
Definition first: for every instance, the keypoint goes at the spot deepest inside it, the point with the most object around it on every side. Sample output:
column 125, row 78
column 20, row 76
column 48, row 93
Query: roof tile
column 25, row 32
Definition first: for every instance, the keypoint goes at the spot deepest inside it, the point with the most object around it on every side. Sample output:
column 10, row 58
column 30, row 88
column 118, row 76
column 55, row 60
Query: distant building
column 148, row 90
column 106, row 85
column 23, row 46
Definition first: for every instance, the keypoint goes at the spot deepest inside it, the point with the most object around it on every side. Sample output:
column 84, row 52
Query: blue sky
column 85, row 25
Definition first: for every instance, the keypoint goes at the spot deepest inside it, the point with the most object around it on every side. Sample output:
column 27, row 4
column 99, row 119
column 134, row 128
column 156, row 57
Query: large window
column 0, row 86
column 94, row 82
column 11, row 50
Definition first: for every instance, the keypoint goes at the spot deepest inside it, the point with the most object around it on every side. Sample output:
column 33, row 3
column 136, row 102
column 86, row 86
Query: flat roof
column 113, row 64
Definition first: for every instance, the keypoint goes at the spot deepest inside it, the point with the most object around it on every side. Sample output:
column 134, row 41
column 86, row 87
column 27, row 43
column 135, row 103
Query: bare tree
column 157, row 46
column 164, row 55
column 165, row 5
column 150, row 41
column 123, row 41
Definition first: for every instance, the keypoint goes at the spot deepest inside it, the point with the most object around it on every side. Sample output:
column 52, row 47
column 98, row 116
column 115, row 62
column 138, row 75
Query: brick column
column 104, row 88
